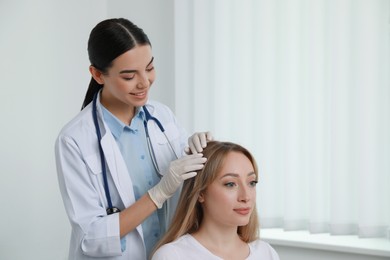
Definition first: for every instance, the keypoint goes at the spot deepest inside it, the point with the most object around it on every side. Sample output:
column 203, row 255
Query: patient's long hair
column 189, row 212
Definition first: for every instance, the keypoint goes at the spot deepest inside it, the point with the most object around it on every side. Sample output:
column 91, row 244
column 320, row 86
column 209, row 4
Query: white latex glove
column 179, row 170
column 197, row 142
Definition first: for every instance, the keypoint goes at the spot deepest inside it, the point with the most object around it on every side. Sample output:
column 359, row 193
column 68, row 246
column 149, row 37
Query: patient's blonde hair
column 189, row 212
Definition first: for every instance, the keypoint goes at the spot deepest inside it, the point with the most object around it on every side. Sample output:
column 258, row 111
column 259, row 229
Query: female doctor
column 119, row 187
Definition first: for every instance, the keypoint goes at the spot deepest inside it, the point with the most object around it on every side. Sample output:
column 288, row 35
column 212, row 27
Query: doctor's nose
column 143, row 81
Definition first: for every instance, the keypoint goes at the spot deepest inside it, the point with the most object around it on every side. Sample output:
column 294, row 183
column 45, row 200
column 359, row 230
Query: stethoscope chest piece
column 112, row 210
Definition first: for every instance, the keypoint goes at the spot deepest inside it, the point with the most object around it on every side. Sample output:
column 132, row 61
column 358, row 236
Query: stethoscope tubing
column 148, row 117
column 102, row 157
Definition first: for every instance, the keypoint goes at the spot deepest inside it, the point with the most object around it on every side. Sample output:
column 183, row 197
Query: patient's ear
column 201, row 198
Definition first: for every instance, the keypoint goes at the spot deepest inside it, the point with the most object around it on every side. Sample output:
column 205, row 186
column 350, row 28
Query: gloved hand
column 197, row 142
column 179, row 170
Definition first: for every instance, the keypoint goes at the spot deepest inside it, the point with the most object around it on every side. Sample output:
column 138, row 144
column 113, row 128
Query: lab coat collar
column 149, row 107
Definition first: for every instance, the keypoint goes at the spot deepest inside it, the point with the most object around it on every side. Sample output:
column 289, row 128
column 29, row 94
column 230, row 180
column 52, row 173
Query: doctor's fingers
column 209, row 136
column 188, row 175
column 194, row 148
column 188, row 159
column 188, row 163
column 194, row 166
column 195, row 160
column 198, row 141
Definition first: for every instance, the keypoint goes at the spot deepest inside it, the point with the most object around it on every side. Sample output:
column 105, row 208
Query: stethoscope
column 148, row 117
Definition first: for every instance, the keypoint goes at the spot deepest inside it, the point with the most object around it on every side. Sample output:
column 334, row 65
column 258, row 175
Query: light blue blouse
column 132, row 143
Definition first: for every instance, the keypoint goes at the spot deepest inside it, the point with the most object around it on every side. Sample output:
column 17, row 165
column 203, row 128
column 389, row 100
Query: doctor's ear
column 96, row 74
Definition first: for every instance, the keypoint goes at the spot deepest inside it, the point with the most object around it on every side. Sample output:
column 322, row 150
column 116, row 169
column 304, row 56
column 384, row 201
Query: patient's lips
column 243, row 211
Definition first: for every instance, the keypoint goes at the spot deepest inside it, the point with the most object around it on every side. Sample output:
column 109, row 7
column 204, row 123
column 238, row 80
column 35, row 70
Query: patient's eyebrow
column 235, row 175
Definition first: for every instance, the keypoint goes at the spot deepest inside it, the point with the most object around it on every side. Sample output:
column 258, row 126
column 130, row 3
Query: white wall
column 44, row 75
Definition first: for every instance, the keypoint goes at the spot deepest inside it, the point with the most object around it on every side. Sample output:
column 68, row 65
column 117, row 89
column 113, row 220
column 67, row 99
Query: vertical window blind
column 304, row 84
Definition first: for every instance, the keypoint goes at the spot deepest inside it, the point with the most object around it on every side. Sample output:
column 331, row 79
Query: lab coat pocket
column 93, row 162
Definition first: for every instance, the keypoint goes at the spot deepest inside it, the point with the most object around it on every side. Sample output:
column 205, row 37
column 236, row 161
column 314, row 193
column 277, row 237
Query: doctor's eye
column 128, row 78
column 149, row 69
column 253, row 183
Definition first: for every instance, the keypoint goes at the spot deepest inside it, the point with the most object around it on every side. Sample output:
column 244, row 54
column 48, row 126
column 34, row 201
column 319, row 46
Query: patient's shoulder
column 260, row 249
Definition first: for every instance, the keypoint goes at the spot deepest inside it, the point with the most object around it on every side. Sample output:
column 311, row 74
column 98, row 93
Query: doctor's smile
column 141, row 95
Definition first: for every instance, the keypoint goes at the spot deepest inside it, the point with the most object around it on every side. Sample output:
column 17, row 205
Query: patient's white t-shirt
column 187, row 247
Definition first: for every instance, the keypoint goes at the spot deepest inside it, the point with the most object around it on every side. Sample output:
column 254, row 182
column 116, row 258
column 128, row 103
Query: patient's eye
column 230, row 184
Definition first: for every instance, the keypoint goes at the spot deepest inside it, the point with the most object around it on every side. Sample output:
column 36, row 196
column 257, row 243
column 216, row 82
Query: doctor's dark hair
column 108, row 40
column 189, row 212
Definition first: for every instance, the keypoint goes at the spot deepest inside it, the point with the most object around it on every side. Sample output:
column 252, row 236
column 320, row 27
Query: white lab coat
column 94, row 234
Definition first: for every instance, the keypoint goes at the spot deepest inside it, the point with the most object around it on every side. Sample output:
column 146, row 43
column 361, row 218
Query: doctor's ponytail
column 108, row 40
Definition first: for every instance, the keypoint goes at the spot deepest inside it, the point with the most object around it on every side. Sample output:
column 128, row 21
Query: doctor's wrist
column 157, row 198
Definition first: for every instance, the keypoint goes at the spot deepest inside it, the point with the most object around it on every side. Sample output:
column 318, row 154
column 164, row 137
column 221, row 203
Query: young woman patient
column 216, row 217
